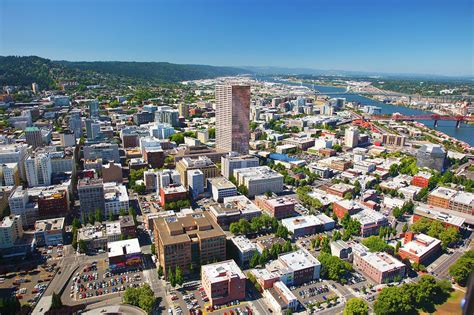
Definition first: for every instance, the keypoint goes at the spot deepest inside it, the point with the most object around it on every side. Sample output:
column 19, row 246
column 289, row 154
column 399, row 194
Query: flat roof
column 49, row 224
column 221, row 183
column 243, row 243
column 222, row 271
column 125, row 247
column 301, row 222
column 299, row 260
column 381, row 261
column 421, row 244
column 439, row 214
column 369, row 216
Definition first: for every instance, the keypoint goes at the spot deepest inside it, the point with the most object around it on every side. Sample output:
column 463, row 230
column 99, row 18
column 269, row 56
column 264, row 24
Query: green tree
column 375, row 244
column 111, row 216
column 242, row 189
column 356, row 306
column 171, row 277
column 255, row 260
column 82, row 246
column 325, row 245
column 160, row 271
column 393, row 301
column 178, row 276
column 462, row 268
column 334, row 268
column 405, row 228
column 98, row 215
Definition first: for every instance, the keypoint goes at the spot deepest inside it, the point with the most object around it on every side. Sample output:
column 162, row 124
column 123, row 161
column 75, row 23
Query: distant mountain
column 16, row 70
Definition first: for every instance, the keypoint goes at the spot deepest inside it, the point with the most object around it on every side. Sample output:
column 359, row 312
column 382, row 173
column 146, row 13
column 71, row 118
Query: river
column 464, row 133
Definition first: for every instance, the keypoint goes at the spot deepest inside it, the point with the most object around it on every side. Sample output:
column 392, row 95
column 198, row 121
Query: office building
column 223, row 282
column 351, row 137
column 183, row 110
column 167, row 115
column 75, row 123
column 379, row 267
column 33, row 137
column 112, row 172
column 244, row 248
column 93, row 108
column 295, row 268
column 233, row 161
column 259, row 180
column 421, row 179
column 340, row 249
column 53, row 202
column 9, row 174
column 220, row 188
column 195, row 182
column 431, row 156
column 432, row 213
column 11, row 230
column 204, row 164
column 49, row 232
column 143, row 117
column 14, row 153
column 370, row 221
column 232, row 210
column 91, row 196
column 419, row 248
column 280, row 208
column 192, row 239
column 232, row 118
column 281, row 299
column 172, row 193
column 308, row 225
column 115, row 199
column 105, row 151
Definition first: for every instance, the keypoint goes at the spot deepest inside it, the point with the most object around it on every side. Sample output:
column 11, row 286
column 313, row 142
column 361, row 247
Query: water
column 464, row 133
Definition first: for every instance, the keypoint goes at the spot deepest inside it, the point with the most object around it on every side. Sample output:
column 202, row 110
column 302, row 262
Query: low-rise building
column 172, row 193
column 223, row 282
column 340, row 189
column 232, row 210
column 49, row 232
column 340, row 249
column 280, row 298
column 296, row 268
column 221, row 188
column 124, row 254
column 308, row 224
column 419, row 248
column 11, row 230
column 432, row 213
column 259, row 180
column 280, row 208
column 379, row 267
column 370, row 221
column 244, row 248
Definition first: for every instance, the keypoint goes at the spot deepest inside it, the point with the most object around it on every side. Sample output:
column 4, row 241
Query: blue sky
column 402, row 36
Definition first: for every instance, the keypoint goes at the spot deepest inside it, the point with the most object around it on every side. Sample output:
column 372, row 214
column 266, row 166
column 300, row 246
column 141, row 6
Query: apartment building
column 420, row 248
column 280, row 208
column 11, row 230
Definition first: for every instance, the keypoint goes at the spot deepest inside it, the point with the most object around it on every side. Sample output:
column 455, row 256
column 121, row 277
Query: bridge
column 434, row 117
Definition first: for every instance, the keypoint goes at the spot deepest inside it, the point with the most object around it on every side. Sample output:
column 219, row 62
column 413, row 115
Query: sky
column 392, row 36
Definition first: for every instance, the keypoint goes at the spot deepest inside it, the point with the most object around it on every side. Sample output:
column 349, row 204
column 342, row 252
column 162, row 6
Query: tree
column 334, row 268
column 98, row 215
column 405, row 228
column 356, row 306
column 375, row 243
column 142, row 297
column 348, row 195
column 282, row 232
column 255, row 260
column 462, row 268
column 56, row 302
column 171, row 277
column 325, row 246
column 392, row 300
column 242, row 189
column 75, row 223
column 178, row 276
column 122, row 212
column 111, row 216
column 160, row 271
column 397, row 213
column 82, row 246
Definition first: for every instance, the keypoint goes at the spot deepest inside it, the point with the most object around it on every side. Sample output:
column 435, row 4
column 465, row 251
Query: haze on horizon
column 393, row 36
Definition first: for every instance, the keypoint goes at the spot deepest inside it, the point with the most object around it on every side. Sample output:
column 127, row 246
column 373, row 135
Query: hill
column 24, row 70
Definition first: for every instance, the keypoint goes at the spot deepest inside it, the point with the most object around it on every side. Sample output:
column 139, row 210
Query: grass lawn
column 452, row 305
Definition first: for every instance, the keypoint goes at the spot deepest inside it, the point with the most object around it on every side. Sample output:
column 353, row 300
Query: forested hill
column 161, row 71
column 23, row 71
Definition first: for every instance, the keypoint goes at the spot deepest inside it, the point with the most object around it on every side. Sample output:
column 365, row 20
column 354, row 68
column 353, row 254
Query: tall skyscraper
column 232, row 118
column 94, row 108
column 33, row 137
column 351, row 137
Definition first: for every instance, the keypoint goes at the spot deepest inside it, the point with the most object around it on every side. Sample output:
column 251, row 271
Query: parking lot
column 191, row 299
column 29, row 285
column 95, row 280
column 315, row 292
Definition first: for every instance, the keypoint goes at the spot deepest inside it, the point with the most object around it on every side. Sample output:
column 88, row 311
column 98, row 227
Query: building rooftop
column 125, row 247
column 420, row 244
column 381, row 261
column 259, row 172
column 299, row 260
column 301, row 222
column 243, row 243
column 221, row 183
column 173, row 189
column 49, row 225
column 439, row 214
column 369, row 217
column 222, row 271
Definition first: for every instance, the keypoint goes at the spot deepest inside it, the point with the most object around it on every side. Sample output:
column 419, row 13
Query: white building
column 116, row 198
column 196, row 182
column 11, row 229
column 221, row 188
column 38, row 170
column 49, row 232
column 234, row 161
column 14, row 153
column 19, row 205
column 245, row 248
column 351, row 137
column 259, row 180
column 296, row 268
column 280, row 298
column 10, row 174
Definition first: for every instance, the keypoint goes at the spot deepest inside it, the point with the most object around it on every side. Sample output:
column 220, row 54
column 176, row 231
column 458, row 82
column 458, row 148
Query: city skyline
column 416, row 37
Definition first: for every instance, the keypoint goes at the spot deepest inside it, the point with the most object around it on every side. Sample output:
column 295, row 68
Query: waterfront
column 465, row 133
